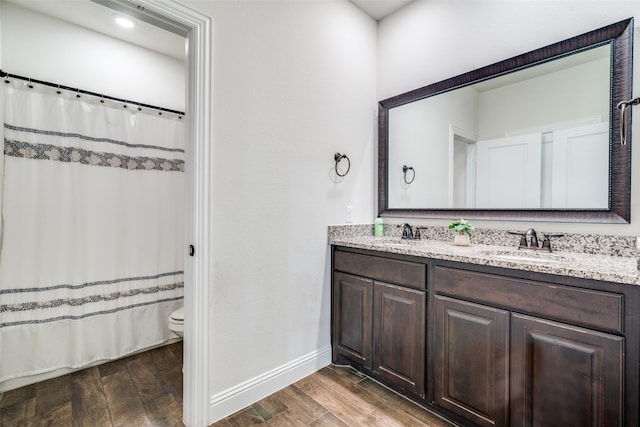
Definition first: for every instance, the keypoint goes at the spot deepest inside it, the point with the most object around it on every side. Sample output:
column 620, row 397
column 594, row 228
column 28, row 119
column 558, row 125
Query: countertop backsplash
column 594, row 244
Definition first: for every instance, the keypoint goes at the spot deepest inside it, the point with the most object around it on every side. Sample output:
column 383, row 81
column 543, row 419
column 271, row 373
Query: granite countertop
column 617, row 269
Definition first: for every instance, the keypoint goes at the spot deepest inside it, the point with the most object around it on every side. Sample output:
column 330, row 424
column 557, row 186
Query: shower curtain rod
column 4, row 74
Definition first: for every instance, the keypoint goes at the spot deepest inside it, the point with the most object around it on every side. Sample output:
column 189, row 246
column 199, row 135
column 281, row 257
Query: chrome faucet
column 532, row 238
column 529, row 240
column 407, row 231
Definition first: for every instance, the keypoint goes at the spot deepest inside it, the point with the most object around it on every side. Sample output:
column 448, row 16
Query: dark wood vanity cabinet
column 512, row 351
column 352, row 314
column 399, row 336
column 378, row 322
column 564, row 375
column 472, row 361
column 488, row 346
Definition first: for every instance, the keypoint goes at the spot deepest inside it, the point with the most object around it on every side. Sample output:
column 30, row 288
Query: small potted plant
column 463, row 230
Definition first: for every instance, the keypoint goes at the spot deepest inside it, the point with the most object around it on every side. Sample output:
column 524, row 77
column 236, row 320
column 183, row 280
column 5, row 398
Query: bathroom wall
column 428, row 41
column 49, row 49
column 294, row 82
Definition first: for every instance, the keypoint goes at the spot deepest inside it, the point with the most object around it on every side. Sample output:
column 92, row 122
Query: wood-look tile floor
column 334, row 396
column 146, row 390
column 141, row 390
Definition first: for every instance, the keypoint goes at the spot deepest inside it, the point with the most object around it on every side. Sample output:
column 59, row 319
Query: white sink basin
column 528, row 256
column 399, row 243
column 540, row 260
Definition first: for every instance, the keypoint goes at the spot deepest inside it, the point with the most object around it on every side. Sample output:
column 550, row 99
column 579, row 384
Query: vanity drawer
column 405, row 273
column 596, row 309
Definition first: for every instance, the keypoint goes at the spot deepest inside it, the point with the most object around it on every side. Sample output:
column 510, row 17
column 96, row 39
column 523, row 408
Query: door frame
column 456, row 132
column 197, row 28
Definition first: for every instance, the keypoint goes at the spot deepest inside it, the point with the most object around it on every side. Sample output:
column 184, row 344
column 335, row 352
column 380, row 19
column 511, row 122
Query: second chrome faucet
column 529, row 240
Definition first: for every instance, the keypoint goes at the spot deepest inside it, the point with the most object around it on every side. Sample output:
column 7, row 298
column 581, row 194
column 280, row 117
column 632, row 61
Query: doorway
column 197, row 28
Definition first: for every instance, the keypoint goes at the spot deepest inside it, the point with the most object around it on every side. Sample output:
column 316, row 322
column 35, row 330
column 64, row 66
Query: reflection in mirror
column 528, row 138
column 531, row 139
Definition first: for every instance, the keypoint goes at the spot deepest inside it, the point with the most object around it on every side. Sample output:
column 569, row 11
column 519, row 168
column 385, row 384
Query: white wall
column 294, row 82
column 48, row 49
column 428, row 41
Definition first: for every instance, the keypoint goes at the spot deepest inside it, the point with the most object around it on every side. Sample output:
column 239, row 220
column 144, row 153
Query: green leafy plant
column 462, row 226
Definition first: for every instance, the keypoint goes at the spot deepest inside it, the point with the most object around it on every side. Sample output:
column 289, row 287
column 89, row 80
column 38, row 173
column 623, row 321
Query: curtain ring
column 338, row 158
column 405, row 169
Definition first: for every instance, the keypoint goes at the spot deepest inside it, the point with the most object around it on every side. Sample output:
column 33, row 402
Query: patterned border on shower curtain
column 92, row 158
column 69, row 153
column 39, row 305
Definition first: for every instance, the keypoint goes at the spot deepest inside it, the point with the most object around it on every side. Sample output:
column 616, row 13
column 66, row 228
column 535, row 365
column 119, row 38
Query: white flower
column 54, row 154
column 28, row 152
column 114, row 161
column 148, row 165
column 75, row 156
column 94, row 160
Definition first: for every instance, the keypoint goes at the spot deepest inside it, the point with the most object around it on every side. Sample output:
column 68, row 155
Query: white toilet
column 176, row 322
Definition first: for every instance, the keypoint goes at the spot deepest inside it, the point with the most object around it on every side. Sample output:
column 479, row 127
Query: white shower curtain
column 91, row 261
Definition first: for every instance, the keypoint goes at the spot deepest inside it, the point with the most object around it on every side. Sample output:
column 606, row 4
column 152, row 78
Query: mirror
column 534, row 137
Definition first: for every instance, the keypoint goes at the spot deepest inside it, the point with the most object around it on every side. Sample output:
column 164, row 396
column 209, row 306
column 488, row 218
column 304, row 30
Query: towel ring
column 405, row 169
column 338, row 158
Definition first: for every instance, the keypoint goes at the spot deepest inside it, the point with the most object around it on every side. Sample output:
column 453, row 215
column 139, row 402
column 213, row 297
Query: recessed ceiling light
column 124, row 22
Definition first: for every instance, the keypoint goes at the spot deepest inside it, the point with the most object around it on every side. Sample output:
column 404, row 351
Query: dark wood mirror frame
column 620, row 37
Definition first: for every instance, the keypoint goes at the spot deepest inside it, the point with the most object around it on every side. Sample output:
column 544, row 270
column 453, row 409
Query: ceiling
column 378, row 9
column 87, row 14
column 91, row 15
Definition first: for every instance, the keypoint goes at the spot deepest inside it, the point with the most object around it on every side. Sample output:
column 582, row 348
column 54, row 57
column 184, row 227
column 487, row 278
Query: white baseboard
column 244, row 394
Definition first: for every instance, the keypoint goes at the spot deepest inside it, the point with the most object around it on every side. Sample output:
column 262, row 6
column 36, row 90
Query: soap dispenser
column 378, row 227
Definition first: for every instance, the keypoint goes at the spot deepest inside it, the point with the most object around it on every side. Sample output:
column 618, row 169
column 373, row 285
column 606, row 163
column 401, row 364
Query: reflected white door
column 508, row 172
column 581, row 167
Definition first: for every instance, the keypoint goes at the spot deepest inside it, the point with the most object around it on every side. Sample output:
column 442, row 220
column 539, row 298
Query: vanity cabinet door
column 563, row 375
column 352, row 318
column 399, row 336
column 472, row 361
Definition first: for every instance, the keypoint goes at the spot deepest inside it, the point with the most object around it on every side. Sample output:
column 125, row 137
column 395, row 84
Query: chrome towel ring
column 405, row 169
column 338, row 158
